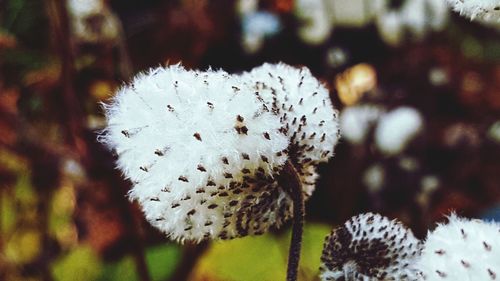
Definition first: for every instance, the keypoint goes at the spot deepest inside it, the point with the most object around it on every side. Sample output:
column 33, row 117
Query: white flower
column 485, row 10
column 390, row 28
column 256, row 27
column 319, row 17
column 354, row 13
column 305, row 111
column 92, row 21
column 396, row 129
column 463, row 250
column 244, row 7
column 356, row 121
column 370, row 247
column 414, row 18
column 316, row 24
column 204, row 152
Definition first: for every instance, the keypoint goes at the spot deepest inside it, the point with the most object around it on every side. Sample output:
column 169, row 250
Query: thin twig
column 73, row 114
column 125, row 63
column 290, row 180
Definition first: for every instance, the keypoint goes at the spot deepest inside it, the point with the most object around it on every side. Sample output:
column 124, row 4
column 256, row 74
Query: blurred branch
column 190, row 255
column 134, row 229
column 72, row 112
column 125, row 62
column 73, row 115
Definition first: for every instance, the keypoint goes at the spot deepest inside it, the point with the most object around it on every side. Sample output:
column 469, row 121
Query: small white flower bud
column 92, row 21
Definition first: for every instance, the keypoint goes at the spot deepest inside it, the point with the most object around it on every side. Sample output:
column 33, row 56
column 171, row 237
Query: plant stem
column 293, row 184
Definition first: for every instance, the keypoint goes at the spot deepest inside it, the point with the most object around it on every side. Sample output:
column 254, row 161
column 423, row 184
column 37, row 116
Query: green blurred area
column 262, row 257
column 64, row 214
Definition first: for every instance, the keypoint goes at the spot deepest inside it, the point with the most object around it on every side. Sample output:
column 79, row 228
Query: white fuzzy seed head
column 316, row 24
column 397, row 128
column 486, row 10
column 305, row 111
column 370, row 247
column 256, row 27
column 357, row 121
column 463, row 250
column 413, row 19
column 92, row 21
column 202, row 152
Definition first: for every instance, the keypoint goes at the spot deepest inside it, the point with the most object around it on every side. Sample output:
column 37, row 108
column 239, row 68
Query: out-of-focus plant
column 370, row 246
column 483, row 11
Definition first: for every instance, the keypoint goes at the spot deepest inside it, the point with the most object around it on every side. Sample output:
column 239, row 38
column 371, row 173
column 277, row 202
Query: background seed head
column 485, row 10
column 397, row 128
column 370, row 247
column 462, row 249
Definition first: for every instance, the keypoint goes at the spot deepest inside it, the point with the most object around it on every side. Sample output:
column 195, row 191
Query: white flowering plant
column 372, row 247
column 219, row 156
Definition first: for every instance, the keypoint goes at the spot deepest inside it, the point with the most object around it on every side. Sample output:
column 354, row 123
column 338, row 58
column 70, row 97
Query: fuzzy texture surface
column 201, row 152
column 370, row 247
column 305, row 111
column 487, row 10
column 357, row 121
column 397, row 128
column 204, row 152
column 462, row 249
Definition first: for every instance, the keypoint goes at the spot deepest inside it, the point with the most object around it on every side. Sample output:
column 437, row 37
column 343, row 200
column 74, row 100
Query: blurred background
column 417, row 86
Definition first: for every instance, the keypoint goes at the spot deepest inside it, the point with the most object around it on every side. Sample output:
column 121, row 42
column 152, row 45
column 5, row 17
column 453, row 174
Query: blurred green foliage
column 262, row 257
column 80, row 264
column 83, row 264
column 123, row 270
column 162, row 260
column 38, row 235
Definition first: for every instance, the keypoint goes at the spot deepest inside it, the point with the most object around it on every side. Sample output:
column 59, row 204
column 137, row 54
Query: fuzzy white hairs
column 204, row 150
column 462, row 249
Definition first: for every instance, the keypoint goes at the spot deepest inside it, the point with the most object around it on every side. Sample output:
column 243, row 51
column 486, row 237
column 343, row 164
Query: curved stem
column 292, row 181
